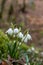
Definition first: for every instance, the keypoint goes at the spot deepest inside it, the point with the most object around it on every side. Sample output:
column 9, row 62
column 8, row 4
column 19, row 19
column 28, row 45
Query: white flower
column 20, row 35
column 9, row 31
column 16, row 30
column 26, row 40
column 33, row 49
column 29, row 37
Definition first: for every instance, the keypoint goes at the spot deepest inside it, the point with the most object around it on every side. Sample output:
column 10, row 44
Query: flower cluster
column 17, row 33
column 17, row 39
column 12, row 47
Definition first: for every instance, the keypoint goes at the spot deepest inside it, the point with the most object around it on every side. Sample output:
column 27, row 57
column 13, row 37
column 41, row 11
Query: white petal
column 16, row 30
column 25, row 40
column 20, row 35
column 9, row 31
column 29, row 37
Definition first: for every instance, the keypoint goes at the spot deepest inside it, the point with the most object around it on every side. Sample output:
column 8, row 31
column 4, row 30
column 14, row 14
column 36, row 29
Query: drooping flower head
column 26, row 38
column 29, row 37
column 9, row 31
column 20, row 35
column 16, row 30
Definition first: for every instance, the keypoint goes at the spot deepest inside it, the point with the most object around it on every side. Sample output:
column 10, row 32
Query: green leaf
column 27, row 59
column 9, row 49
column 13, row 49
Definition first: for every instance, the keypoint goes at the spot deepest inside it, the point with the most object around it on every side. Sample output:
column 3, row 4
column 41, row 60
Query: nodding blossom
column 20, row 35
column 9, row 31
column 16, row 30
column 29, row 37
column 26, row 38
column 16, row 33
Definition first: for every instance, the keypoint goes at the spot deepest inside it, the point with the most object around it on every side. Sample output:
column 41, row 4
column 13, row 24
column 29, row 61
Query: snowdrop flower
column 9, row 31
column 20, row 35
column 16, row 30
column 33, row 49
column 26, row 40
column 29, row 37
